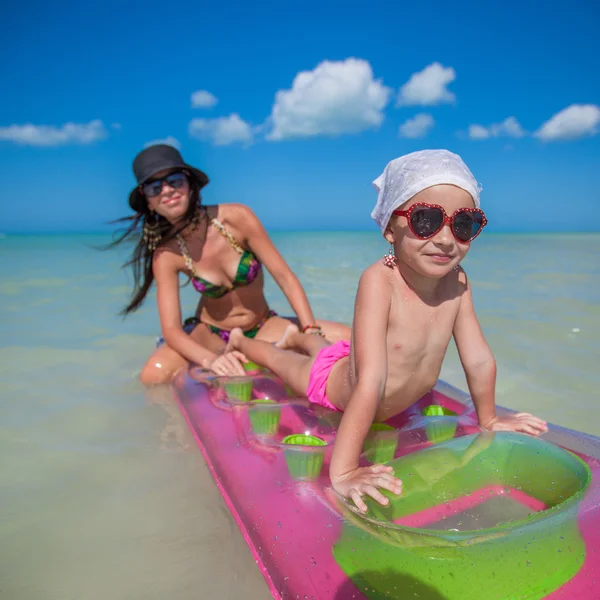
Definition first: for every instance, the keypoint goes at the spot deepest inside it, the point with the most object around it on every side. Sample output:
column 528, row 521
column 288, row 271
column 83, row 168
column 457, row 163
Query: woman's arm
column 166, row 276
column 259, row 241
column 369, row 339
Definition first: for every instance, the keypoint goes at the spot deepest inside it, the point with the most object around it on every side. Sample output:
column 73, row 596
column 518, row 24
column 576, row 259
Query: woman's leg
column 293, row 368
column 165, row 362
column 335, row 332
column 162, row 365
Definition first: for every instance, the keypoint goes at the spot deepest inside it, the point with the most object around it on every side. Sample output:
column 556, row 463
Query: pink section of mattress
column 432, row 515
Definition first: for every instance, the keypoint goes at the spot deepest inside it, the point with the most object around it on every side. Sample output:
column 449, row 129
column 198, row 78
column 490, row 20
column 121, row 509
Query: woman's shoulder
column 167, row 256
column 236, row 218
column 232, row 212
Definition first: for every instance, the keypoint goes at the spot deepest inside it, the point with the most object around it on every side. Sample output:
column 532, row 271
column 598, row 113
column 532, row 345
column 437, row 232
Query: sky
column 294, row 108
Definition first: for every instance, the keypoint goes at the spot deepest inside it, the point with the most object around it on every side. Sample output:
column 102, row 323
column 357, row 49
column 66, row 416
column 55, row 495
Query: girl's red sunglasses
column 425, row 220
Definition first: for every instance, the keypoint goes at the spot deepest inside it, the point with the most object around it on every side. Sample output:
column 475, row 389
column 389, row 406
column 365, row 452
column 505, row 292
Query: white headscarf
column 408, row 175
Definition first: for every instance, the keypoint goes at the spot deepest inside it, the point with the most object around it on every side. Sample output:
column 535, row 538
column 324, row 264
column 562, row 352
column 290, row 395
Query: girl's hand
column 366, row 480
column 521, row 422
column 229, row 363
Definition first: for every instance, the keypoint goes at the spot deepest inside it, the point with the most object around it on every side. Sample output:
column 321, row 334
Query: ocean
column 105, row 495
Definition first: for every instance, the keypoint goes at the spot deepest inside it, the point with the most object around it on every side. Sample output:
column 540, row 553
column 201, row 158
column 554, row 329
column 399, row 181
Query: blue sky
column 305, row 104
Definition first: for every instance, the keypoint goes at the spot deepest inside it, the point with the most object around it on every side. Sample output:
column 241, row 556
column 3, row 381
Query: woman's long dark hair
column 141, row 258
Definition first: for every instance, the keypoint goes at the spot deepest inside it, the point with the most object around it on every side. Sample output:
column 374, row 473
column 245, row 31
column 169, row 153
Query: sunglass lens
column 176, row 180
column 152, row 188
column 467, row 225
column 426, row 222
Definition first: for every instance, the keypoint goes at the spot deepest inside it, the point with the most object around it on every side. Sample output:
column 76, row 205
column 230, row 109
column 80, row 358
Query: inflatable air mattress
column 482, row 516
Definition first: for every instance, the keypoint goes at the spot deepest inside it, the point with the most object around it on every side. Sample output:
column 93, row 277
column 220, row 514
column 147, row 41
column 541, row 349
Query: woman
column 222, row 250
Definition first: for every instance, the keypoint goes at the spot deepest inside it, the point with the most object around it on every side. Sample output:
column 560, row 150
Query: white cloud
column 478, row 132
column 419, row 126
column 575, row 121
column 170, row 140
column 222, row 131
column 50, row 135
column 428, row 87
column 116, row 126
column 334, row 98
column 203, row 99
column 510, row 127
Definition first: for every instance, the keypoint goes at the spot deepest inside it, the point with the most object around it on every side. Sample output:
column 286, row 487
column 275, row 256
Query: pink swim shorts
column 317, row 382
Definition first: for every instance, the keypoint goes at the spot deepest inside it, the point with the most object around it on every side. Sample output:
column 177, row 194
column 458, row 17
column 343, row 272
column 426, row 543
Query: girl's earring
column 389, row 260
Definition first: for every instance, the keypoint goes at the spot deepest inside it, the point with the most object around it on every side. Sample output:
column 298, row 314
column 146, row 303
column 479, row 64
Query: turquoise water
column 104, row 493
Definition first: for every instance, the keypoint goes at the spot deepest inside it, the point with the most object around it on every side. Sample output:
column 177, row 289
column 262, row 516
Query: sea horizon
column 288, row 230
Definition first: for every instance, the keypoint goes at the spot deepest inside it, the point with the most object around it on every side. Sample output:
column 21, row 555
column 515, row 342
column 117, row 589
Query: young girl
column 406, row 311
column 222, row 249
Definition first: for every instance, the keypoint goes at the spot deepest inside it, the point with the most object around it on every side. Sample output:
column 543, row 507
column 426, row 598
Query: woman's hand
column 365, row 480
column 229, row 363
column 313, row 329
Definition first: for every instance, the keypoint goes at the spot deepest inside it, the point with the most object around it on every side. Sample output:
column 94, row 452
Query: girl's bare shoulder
column 380, row 279
column 454, row 284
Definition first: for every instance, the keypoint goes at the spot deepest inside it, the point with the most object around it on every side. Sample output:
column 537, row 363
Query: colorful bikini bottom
column 190, row 324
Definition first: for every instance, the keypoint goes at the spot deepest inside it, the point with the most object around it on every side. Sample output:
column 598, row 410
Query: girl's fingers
column 372, row 491
column 391, row 480
column 538, row 423
column 381, row 469
column 358, row 501
column 525, row 428
column 389, row 483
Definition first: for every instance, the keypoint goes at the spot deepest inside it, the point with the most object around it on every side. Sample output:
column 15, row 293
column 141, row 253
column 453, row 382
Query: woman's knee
column 152, row 374
column 161, row 367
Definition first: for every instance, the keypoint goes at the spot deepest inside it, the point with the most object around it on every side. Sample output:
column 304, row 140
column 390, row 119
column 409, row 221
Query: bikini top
column 248, row 268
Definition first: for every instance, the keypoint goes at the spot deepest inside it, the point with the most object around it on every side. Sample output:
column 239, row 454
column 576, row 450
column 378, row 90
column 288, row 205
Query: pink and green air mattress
column 482, row 516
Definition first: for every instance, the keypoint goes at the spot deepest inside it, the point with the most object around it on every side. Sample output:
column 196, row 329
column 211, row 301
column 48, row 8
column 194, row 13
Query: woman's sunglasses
column 425, row 220
column 154, row 187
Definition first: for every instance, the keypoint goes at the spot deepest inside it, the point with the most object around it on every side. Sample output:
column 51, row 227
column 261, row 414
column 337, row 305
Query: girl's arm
column 369, row 339
column 169, row 309
column 480, row 369
column 475, row 356
column 258, row 240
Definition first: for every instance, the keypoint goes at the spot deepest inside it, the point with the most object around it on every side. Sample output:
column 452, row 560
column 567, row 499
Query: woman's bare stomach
column 244, row 311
